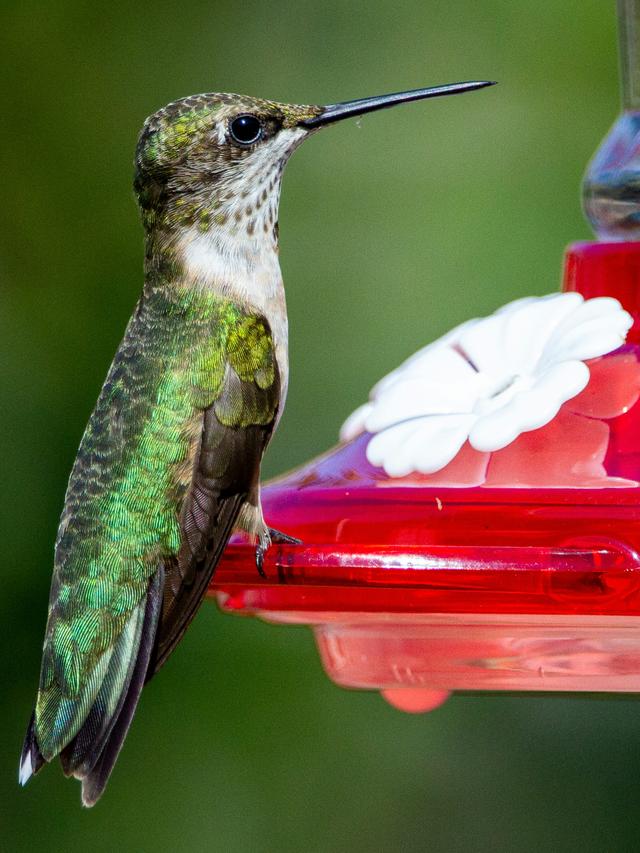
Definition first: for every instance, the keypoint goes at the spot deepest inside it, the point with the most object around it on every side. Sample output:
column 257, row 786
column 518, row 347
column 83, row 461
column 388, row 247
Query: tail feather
column 95, row 778
column 82, row 752
column 92, row 753
column 31, row 759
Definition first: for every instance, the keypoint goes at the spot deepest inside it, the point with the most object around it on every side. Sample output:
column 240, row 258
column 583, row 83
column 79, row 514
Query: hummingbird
column 169, row 463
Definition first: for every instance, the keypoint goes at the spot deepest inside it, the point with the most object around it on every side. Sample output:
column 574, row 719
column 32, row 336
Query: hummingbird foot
column 281, row 538
column 266, row 539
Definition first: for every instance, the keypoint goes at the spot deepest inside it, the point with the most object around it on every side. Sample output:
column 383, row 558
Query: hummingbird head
column 217, row 159
column 208, row 168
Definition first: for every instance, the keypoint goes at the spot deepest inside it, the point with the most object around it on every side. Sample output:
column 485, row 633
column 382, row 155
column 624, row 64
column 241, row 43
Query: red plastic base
column 515, row 570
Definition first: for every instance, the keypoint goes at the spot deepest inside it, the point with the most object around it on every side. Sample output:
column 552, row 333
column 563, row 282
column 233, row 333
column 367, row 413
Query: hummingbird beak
column 347, row 109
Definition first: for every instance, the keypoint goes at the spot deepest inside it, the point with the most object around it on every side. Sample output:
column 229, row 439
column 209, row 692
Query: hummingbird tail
column 31, row 759
column 92, row 753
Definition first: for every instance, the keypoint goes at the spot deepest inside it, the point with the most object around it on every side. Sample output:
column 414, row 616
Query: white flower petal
column 482, row 344
column 440, row 439
column 495, row 430
column 424, row 445
column 416, row 398
column 448, row 339
column 499, row 428
column 446, row 383
column 563, row 381
column 530, row 409
column 590, row 341
column 354, row 424
column 589, row 334
column 511, row 341
column 432, row 359
column 600, row 306
column 443, row 364
column 515, row 304
column 387, row 449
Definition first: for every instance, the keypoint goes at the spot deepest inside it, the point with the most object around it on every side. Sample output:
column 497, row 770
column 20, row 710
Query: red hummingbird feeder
column 479, row 526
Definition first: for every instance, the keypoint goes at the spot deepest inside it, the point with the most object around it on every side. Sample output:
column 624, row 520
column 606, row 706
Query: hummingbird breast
column 226, row 262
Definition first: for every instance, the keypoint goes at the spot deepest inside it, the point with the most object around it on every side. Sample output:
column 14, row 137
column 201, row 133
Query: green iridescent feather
column 128, row 485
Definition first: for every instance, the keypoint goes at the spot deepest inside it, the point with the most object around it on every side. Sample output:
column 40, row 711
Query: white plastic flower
column 487, row 381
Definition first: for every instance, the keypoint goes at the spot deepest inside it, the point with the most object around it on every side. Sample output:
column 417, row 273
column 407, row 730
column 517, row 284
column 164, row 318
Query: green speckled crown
column 183, row 147
column 187, row 172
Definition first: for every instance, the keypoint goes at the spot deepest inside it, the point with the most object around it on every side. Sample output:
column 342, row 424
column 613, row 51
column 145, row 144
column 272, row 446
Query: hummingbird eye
column 246, row 129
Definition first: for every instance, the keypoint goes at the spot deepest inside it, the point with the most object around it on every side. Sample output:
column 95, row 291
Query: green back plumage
column 122, row 509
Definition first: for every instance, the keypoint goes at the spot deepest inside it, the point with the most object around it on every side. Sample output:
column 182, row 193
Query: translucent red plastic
column 516, row 570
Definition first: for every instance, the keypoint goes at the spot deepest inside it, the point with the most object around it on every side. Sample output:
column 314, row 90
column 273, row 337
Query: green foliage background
column 393, row 229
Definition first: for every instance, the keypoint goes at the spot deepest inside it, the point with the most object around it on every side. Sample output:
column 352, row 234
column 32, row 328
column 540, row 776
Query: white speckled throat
column 238, row 254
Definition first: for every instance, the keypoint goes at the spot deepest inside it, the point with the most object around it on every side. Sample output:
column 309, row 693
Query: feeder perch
column 478, row 528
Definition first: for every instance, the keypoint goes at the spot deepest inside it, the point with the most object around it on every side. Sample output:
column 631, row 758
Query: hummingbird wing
column 154, row 494
column 236, row 429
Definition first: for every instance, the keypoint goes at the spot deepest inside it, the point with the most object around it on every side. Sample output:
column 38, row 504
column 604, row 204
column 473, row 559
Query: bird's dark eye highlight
column 246, row 129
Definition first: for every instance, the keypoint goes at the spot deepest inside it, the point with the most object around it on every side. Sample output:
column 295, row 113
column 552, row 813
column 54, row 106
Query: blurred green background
column 392, row 229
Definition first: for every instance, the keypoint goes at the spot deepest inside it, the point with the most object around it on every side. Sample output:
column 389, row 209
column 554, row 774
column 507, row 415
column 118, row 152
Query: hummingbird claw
column 265, row 541
column 260, row 550
column 281, row 538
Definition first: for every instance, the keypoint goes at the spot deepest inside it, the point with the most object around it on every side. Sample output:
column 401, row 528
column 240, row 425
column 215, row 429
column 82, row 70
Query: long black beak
column 347, row 109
